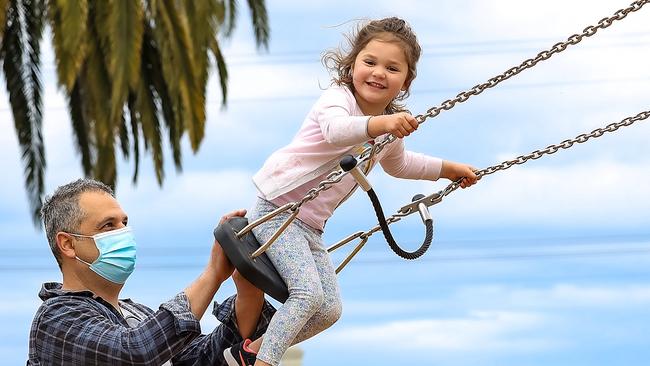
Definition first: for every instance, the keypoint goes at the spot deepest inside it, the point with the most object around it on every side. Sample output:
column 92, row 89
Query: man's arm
column 201, row 292
column 74, row 330
column 208, row 349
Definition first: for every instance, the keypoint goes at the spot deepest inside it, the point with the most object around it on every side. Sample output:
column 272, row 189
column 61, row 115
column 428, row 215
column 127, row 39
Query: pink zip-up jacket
column 334, row 126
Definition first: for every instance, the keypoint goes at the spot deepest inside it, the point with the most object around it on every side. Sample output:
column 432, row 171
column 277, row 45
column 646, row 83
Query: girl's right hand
column 399, row 124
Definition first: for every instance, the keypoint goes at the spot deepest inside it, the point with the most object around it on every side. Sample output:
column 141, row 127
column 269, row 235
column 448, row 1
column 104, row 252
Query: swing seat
column 258, row 271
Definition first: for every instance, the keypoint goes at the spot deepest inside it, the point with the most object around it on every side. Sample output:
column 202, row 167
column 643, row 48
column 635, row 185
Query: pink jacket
column 334, row 126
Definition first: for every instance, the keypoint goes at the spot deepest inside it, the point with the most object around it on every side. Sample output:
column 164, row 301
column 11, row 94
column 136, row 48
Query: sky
column 544, row 263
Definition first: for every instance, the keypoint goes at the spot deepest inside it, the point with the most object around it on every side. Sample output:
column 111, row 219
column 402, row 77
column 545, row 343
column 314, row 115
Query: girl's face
column 379, row 74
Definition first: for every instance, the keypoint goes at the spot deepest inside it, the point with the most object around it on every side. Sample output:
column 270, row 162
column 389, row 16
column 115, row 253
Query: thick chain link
column 589, row 31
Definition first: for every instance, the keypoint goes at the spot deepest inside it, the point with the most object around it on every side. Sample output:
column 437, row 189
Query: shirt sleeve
column 334, row 113
column 208, row 349
column 400, row 163
column 75, row 331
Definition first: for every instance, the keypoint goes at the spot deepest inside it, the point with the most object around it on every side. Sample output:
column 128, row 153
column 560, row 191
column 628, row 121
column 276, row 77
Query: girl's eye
column 393, row 69
column 369, row 62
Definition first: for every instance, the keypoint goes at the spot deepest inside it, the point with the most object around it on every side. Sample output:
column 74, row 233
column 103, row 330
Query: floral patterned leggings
column 314, row 302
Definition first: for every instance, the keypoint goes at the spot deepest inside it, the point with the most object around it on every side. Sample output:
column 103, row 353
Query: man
column 81, row 320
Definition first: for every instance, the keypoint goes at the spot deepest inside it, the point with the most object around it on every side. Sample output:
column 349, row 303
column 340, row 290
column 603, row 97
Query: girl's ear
column 407, row 85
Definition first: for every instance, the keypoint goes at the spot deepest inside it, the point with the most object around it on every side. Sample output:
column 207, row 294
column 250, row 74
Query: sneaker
column 240, row 354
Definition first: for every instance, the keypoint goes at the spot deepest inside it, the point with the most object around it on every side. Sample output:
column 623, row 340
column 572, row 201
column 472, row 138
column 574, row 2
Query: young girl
column 361, row 106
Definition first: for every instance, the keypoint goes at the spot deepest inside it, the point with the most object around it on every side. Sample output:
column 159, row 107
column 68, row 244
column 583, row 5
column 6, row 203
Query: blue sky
column 545, row 263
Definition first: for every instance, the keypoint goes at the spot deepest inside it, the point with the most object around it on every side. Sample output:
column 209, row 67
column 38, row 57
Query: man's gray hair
column 61, row 211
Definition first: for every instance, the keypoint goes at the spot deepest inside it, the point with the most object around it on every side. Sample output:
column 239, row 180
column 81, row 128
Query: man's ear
column 65, row 245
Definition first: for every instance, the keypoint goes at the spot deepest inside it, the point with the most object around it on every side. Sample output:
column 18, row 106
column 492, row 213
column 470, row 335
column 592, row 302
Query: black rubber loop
column 389, row 237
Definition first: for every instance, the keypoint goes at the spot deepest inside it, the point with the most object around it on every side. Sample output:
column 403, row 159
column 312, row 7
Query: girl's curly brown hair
column 339, row 62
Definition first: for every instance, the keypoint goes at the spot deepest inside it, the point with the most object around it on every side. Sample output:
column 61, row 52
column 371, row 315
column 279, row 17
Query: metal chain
column 542, row 56
column 589, row 31
column 551, row 149
column 332, row 178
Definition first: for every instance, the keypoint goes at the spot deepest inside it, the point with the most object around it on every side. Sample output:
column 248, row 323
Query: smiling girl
column 362, row 105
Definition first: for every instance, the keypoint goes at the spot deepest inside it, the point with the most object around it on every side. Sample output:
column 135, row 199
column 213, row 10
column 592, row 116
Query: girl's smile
column 379, row 75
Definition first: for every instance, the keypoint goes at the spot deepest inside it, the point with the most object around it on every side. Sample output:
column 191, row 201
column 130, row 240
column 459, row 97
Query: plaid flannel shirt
column 76, row 328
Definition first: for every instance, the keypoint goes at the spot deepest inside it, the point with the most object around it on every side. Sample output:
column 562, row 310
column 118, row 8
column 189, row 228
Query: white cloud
column 485, row 331
column 190, row 198
column 559, row 296
column 589, row 193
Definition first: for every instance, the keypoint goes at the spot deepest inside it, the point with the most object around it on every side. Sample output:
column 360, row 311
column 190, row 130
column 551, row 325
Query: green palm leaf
column 84, row 143
column 68, row 21
column 130, row 70
column 124, row 28
column 27, row 116
column 260, row 22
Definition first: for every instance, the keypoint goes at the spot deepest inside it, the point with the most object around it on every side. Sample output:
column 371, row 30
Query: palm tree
column 132, row 71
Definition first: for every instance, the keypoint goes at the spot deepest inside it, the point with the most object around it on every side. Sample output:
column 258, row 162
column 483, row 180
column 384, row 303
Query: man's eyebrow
column 108, row 219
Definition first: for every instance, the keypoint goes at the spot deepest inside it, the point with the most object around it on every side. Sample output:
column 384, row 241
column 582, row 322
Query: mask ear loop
column 78, row 236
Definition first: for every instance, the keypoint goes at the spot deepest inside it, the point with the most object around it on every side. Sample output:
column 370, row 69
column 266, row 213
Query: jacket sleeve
column 400, row 163
column 207, row 349
column 334, row 112
column 74, row 332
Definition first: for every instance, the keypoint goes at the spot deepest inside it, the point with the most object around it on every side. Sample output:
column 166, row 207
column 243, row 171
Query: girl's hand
column 454, row 171
column 399, row 124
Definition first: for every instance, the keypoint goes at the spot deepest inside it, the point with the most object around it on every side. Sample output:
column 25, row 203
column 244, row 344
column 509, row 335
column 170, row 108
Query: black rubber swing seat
column 259, row 271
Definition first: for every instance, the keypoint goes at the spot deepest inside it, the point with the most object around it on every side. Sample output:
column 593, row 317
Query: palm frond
column 124, row 28
column 19, row 89
column 171, row 33
column 68, row 22
column 135, row 133
column 222, row 69
column 124, row 137
column 230, row 18
column 96, row 87
column 148, row 119
column 84, row 142
column 151, row 64
column 260, row 22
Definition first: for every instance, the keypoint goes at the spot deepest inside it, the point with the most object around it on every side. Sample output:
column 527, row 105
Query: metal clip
column 427, row 201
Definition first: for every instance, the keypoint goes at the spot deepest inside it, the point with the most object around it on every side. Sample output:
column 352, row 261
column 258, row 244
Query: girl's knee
column 311, row 299
column 330, row 312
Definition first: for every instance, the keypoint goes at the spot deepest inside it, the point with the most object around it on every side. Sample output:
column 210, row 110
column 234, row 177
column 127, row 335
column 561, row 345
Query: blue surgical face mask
column 116, row 260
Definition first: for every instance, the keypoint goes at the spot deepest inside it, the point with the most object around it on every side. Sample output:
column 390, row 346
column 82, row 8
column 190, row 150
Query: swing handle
column 422, row 208
column 349, row 164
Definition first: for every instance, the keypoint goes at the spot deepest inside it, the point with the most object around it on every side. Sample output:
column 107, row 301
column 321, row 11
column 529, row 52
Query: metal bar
column 264, row 247
column 262, row 219
column 344, row 241
column 429, row 200
column 349, row 257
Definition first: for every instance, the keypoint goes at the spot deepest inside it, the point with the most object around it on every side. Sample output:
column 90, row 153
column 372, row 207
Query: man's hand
column 219, row 262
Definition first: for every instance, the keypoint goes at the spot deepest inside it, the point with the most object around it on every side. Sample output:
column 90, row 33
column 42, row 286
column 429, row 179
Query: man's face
column 102, row 213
